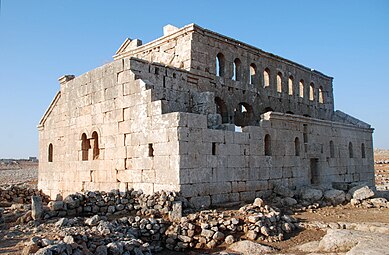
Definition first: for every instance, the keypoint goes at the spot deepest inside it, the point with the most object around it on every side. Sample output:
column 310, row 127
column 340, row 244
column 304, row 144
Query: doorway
column 314, row 171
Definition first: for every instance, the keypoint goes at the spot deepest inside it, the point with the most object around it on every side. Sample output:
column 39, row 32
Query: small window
column 305, row 133
column 321, row 96
column 85, row 146
column 220, row 64
column 301, row 86
column 151, row 150
column 350, row 150
column 213, row 148
column 290, row 85
column 50, row 153
column 279, row 82
column 267, row 143
column 253, row 72
column 363, row 150
column 297, row 146
column 96, row 149
column 332, row 149
column 266, row 78
column 311, row 92
column 236, row 75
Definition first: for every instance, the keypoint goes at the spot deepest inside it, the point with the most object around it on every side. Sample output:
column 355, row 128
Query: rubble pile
column 357, row 194
column 132, row 222
column 113, row 203
column 20, row 194
column 207, row 229
column 146, row 235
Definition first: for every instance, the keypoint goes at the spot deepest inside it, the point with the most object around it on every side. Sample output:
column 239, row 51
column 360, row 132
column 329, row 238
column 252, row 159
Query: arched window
column 237, row 72
column 321, row 96
column 220, row 65
column 266, row 78
column 243, row 114
column 267, row 143
column 221, row 108
column 96, row 149
column 350, row 150
column 279, row 82
column 311, row 91
column 332, row 149
column 290, row 85
column 253, row 72
column 85, row 146
column 363, row 150
column 50, row 153
column 301, row 86
column 297, row 146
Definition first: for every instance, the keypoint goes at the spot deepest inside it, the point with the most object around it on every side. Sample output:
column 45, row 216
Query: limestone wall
column 195, row 49
column 219, row 165
column 133, row 137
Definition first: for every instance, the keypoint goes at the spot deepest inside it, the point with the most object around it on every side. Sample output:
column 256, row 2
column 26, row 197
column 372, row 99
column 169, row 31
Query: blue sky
column 43, row 40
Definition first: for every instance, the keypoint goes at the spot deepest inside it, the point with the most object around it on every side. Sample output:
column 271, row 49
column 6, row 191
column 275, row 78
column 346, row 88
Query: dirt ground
column 14, row 244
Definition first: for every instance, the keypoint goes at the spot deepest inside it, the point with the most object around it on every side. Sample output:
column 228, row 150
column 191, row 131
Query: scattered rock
column 334, row 196
column 379, row 202
column 250, row 248
column 93, row 221
column 361, row 192
column 229, row 239
column 283, row 191
column 354, row 242
column 311, row 194
column 258, row 202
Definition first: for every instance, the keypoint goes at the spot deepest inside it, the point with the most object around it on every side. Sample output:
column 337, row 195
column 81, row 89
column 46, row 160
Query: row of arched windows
column 350, row 150
column 267, row 148
column 253, row 78
column 85, row 146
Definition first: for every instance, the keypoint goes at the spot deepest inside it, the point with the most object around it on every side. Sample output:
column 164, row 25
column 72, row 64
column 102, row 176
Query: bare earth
column 24, row 172
column 347, row 213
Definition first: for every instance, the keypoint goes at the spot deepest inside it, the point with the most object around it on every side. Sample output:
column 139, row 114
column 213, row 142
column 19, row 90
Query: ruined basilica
column 200, row 113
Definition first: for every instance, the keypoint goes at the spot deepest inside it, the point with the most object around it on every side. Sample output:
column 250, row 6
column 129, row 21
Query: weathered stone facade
column 200, row 113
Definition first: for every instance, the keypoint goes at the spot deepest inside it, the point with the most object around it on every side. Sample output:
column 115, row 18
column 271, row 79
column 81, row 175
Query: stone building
column 201, row 113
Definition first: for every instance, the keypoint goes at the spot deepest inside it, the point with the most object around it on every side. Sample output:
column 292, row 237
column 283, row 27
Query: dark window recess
column 50, row 153
column 151, row 150
column 267, row 145
column 213, row 148
column 363, row 150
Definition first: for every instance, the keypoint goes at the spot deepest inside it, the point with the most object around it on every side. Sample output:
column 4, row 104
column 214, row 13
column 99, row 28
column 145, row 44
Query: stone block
column 247, row 196
column 238, row 186
column 36, row 207
column 220, row 198
column 125, row 77
column 256, row 185
column 220, row 187
column 201, row 201
column 275, row 173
